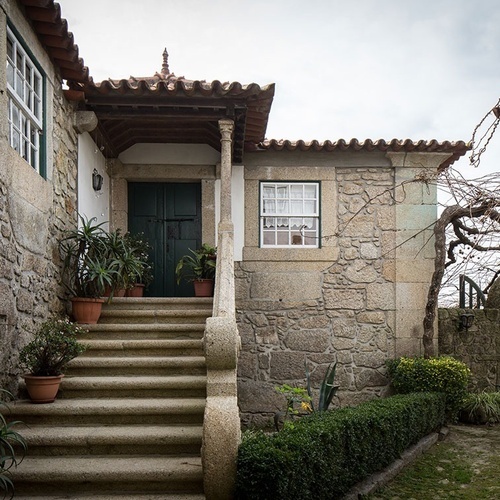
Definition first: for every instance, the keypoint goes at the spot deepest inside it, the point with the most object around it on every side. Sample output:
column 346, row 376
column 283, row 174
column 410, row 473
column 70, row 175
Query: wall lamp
column 466, row 320
column 97, row 180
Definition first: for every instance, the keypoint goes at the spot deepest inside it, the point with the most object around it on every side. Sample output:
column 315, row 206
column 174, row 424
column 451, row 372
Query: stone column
column 226, row 128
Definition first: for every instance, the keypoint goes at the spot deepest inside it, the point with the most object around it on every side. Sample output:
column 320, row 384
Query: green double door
column 169, row 216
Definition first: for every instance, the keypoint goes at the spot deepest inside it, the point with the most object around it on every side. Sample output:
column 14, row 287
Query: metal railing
column 467, row 287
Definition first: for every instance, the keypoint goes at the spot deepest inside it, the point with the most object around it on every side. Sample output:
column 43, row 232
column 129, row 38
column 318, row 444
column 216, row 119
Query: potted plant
column 141, row 274
column 199, row 267
column 45, row 357
column 87, row 268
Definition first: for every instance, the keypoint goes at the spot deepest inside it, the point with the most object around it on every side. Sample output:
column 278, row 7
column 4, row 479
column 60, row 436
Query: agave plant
column 326, row 391
column 10, row 443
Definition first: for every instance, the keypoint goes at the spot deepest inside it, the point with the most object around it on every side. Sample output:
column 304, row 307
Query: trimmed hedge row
column 438, row 374
column 323, row 455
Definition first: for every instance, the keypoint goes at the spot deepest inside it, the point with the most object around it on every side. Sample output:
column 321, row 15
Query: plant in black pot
column 54, row 344
column 87, row 268
column 199, row 267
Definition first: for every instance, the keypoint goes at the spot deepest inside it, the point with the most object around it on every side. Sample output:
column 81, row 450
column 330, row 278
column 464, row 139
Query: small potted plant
column 199, row 267
column 45, row 357
column 87, row 268
column 141, row 274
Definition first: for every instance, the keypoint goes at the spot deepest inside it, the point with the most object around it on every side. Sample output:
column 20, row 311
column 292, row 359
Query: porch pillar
column 226, row 128
column 221, row 423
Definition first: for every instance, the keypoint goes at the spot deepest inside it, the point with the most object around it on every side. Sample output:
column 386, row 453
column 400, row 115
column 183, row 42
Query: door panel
column 169, row 215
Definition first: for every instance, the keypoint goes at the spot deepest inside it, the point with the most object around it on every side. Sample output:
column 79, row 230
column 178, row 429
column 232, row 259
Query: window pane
column 296, row 207
column 36, row 107
column 282, row 238
column 296, row 191
column 19, row 62
column 15, row 116
column 282, row 207
column 10, row 49
column 309, row 207
column 268, row 192
column 16, row 140
column 310, row 191
column 269, row 207
column 10, row 74
column 34, row 158
column 282, row 191
column 269, row 238
column 19, row 85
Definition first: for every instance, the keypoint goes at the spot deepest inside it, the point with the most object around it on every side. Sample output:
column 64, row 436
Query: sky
column 417, row 69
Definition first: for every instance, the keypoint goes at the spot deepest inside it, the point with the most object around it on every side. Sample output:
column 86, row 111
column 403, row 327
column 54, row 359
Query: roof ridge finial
column 164, row 67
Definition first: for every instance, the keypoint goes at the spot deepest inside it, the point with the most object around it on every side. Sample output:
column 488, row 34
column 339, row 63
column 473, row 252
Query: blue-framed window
column 289, row 214
column 25, row 102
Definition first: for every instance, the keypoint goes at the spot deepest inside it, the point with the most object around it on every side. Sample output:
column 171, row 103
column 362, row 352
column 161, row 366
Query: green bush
column 326, row 453
column 481, row 408
column 441, row 374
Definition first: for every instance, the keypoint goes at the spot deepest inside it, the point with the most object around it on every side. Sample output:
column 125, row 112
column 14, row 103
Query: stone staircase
column 127, row 422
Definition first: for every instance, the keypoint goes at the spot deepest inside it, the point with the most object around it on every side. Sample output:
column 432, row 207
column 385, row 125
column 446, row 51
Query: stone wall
column 359, row 299
column 342, row 312
column 478, row 347
column 33, row 213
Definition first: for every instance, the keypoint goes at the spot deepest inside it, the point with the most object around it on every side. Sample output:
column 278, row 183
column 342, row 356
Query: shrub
column 482, row 408
column 324, row 454
column 441, row 374
column 53, row 346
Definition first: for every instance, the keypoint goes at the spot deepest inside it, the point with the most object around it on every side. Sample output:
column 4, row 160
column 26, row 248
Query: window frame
column 316, row 215
column 26, row 113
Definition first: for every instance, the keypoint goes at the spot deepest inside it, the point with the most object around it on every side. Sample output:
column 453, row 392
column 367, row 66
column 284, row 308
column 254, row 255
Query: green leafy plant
column 440, row 374
column 327, row 389
column 53, row 346
column 10, row 442
column 141, row 250
column 298, row 402
column 481, row 408
column 87, row 270
column 198, row 264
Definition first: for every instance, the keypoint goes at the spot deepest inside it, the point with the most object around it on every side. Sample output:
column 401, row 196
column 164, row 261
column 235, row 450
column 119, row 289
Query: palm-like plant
column 86, row 266
column 10, row 442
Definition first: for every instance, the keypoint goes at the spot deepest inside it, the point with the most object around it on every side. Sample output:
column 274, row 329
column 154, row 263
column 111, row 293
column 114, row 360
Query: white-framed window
column 25, row 107
column 289, row 214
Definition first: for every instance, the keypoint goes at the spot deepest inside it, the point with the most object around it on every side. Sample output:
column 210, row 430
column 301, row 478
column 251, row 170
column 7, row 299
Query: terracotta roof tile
column 52, row 31
column 456, row 149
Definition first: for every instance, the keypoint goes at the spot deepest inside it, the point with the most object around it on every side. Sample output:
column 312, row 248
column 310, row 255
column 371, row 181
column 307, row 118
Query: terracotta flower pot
column 86, row 311
column 42, row 389
column 203, row 288
column 136, row 291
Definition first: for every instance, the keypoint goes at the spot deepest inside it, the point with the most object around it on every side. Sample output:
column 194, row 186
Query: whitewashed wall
column 90, row 202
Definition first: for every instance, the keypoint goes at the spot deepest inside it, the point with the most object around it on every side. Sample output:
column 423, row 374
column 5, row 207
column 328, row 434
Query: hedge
column 323, row 455
column 439, row 374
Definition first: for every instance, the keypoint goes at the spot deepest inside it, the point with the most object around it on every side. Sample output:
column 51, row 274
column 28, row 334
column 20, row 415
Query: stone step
column 140, row 365
column 204, row 304
column 135, row 331
column 99, row 496
column 113, row 440
column 108, row 474
column 137, row 315
column 145, row 347
column 186, row 386
column 112, row 411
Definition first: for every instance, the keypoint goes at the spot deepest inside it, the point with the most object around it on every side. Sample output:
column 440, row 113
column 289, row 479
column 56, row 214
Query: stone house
column 324, row 249
column 332, row 251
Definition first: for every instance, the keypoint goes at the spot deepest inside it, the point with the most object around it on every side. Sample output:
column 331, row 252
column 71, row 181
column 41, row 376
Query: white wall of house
column 92, row 203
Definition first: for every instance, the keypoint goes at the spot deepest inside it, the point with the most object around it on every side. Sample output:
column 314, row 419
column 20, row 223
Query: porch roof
column 165, row 108
column 455, row 148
